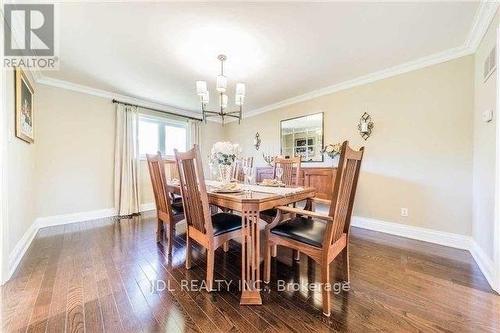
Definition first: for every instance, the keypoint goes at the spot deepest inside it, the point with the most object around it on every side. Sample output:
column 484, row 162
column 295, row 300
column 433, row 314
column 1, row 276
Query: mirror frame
column 322, row 134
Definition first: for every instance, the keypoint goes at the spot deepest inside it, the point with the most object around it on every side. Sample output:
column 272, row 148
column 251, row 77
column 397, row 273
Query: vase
column 225, row 171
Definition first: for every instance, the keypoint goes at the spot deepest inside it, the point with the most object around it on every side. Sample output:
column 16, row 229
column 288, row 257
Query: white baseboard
column 485, row 264
column 423, row 234
column 433, row 236
column 147, row 207
column 418, row 233
column 49, row 221
column 20, row 249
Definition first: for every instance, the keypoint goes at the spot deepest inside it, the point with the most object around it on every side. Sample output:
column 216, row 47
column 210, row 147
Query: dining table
column 249, row 201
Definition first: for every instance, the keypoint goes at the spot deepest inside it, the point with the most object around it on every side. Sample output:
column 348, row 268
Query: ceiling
column 156, row 51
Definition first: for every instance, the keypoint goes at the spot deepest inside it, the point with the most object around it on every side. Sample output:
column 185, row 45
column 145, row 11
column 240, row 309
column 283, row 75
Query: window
column 162, row 134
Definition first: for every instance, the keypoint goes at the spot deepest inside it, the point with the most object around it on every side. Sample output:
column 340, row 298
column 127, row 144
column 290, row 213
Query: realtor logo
column 29, row 35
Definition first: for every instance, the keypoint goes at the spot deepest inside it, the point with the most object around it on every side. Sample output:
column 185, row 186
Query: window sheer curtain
column 126, row 177
column 195, row 133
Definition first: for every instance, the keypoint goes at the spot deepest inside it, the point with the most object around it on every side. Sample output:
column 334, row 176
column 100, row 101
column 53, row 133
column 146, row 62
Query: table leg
column 250, row 255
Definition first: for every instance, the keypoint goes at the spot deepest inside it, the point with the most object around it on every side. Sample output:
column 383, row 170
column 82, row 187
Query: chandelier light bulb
column 223, row 101
column 239, row 100
column 221, row 83
column 201, row 87
column 240, row 89
column 205, row 97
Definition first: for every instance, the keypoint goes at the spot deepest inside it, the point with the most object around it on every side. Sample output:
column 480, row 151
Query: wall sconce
column 365, row 126
column 256, row 141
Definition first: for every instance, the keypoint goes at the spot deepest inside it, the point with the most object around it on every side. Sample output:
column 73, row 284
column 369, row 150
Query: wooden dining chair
column 290, row 177
column 237, row 172
column 210, row 231
column 169, row 211
column 321, row 237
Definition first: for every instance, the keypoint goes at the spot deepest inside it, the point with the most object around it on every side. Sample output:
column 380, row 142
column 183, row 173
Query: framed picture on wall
column 24, row 107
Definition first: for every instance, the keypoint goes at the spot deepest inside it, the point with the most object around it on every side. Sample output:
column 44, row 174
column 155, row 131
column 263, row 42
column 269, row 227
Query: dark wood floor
column 96, row 276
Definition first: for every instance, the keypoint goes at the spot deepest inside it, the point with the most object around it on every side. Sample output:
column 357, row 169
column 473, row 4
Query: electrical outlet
column 404, row 212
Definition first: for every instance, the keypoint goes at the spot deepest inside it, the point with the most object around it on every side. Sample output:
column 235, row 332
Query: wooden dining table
column 250, row 203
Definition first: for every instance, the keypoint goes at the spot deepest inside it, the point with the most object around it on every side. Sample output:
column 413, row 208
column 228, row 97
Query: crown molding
column 484, row 15
column 373, row 77
column 48, row 81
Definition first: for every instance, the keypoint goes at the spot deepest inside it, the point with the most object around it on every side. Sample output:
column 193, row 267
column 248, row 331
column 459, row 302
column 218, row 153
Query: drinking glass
column 249, row 176
column 279, row 172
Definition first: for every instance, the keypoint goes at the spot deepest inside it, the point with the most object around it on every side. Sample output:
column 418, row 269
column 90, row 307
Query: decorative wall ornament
column 365, row 126
column 257, row 141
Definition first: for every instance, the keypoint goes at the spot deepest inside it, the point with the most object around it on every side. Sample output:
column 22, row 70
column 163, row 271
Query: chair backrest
column 158, row 181
column 289, row 165
column 171, row 169
column 193, row 190
column 344, row 190
column 237, row 172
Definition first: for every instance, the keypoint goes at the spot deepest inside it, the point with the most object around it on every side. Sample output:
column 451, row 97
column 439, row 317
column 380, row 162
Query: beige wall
column 75, row 152
column 21, row 175
column 484, row 147
column 420, row 154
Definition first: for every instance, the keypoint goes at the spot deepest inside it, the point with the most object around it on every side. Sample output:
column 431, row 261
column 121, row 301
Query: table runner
column 284, row 191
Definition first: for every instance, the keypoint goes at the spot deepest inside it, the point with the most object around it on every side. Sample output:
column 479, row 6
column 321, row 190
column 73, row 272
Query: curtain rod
column 157, row 110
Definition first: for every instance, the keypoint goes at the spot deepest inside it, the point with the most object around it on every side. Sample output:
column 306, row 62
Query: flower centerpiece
column 223, row 155
column 332, row 150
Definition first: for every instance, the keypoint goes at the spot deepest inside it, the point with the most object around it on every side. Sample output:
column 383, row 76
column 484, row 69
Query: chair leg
column 325, row 284
column 171, row 233
column 225, row 246
column 159, row 231
column 274, row 251
column 210, row 269
column 267, row 262
column 188, row 251
column 296, row 255
column 345, row 264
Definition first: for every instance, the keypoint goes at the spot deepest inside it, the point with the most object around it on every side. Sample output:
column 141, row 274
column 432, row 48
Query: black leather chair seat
column 269, row 214
column 302, row 229
column 225, row 222
column 177, row 207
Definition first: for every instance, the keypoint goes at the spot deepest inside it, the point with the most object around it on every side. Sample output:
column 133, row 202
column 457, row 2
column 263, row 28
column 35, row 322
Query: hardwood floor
column 96, row 276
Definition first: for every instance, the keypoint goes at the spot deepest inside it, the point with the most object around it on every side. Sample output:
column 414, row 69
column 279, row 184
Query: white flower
column 329, row 149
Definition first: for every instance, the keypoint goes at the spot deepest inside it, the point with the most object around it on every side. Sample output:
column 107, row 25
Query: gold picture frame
column 24, row 107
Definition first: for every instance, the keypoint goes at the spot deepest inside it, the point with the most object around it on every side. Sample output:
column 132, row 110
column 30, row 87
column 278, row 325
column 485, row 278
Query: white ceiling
column 156, row 51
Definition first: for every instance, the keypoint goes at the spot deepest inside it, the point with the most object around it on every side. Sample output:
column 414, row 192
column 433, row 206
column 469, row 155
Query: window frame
column 162, row 122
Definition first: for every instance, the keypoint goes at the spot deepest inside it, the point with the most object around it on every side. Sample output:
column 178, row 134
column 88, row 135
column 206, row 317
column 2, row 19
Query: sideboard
column 319, row 178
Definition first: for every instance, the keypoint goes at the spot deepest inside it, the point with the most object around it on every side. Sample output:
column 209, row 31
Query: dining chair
column 319, row 236
column 239, row 165
column 290, row 177
column 172, row 173
column 169, row 210
column 210, row 231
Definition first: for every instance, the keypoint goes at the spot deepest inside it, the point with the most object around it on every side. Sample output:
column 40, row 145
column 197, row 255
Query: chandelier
column 221, row 85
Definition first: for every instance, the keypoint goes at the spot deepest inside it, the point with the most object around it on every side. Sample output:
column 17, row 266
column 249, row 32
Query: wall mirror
column 303, row 136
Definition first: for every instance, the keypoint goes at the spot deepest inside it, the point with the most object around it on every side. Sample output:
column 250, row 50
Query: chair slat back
column 171, row 169
column 237, row 172
column 344, row 190
column 289, row 165
column 158, row 181
column 193, row 190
